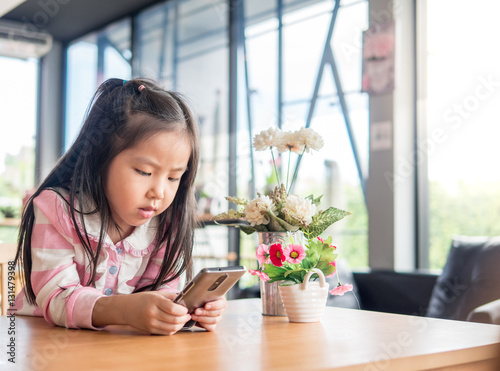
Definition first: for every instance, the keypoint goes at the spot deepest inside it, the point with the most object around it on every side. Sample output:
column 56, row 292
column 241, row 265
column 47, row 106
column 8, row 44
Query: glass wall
column 184, row 45
column 281, row 88
column 18, row 107
column 462, row 94
column 91, row 60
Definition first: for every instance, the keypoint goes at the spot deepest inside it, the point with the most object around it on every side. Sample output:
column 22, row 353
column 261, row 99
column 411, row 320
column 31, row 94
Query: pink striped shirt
column 60, row 265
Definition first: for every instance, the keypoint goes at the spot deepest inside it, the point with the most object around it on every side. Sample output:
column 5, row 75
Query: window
column 184, row 46
column 17, row 142
column 91, row 60
column 462, row 89
column 331, row 172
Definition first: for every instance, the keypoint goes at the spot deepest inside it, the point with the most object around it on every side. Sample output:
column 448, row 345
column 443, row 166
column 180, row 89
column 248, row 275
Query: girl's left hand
column 208, row 316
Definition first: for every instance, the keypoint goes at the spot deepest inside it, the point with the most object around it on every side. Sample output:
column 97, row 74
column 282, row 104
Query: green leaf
column 328, row 241
column 277, row 278
column 315, row 245
column 306, row 263
column 272, row 269
column 312, row 257
column 315, row 201
column 249, row 229
column 325, row 219
column 284, row 225
column 328, row 257
column 275, row 273
column 287, row 273
column 325, row 267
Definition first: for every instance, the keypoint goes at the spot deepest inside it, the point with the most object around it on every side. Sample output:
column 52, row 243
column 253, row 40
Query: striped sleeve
column 153, row 269
column 60, row 295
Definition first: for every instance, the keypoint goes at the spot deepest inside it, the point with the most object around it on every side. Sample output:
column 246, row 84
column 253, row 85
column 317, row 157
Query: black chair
column 470, row 279
column 468, row 288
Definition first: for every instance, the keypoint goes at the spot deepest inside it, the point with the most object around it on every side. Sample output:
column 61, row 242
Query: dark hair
column 120, row 114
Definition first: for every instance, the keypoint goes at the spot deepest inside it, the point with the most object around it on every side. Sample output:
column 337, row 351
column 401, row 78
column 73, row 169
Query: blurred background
column 415, row 163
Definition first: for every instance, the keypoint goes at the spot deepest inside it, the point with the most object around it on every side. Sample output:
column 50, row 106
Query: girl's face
column 142, row 181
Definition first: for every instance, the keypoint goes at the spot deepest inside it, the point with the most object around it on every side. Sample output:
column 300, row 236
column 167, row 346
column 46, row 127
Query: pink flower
column 261, row 275
column 341, row 289
column 276, row 255
column 294, row 253
column 262, row 254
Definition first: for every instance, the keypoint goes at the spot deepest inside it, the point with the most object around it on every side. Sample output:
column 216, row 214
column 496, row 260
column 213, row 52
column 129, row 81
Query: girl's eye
column 142, row 173
column 174, row 179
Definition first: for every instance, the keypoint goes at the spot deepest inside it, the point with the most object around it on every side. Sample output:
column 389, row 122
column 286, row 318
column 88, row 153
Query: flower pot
column 305, row 302
column 272, row 305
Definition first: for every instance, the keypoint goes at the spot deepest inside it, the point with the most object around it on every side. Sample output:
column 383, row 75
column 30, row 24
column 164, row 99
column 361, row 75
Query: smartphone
column 208, row 285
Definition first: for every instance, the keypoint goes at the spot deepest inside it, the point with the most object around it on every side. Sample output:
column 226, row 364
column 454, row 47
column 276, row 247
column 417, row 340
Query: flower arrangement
column 292, row 260
column 281, row 211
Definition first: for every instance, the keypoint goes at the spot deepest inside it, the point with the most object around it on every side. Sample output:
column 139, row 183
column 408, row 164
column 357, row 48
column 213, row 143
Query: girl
column 116, row 216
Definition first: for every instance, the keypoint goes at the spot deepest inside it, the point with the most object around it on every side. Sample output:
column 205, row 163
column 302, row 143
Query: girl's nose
column 156, row 192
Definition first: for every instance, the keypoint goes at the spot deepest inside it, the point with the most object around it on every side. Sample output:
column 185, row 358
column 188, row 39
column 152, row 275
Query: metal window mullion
column 421, row 178
column 248, row 94
column 279, row 14
column 163, row 42
column 101, row 45
column 235, row 48
column 175, row 56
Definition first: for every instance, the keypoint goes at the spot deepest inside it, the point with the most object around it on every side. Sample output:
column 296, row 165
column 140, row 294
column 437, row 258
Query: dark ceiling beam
column 67, row 20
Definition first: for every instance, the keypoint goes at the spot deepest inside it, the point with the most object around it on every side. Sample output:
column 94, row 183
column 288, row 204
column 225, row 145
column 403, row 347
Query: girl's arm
column 55, row 279
column 152, row 311
column 62, row 297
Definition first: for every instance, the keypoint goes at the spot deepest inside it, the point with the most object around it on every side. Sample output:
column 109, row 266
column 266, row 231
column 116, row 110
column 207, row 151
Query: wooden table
column 345, row 339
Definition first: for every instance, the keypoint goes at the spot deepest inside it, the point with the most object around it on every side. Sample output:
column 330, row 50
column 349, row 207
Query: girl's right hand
column 152, row 311
column 156, row 313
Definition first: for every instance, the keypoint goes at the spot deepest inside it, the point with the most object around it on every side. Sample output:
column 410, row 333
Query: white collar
column 140, row 239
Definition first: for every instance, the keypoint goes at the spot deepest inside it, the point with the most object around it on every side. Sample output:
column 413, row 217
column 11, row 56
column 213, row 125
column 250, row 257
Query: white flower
column 266, row 139
column 300, row 208
column 310, row 139
column 289, row 142
column 256, row 210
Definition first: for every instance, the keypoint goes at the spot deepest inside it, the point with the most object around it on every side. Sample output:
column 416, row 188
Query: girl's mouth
column 147, row 212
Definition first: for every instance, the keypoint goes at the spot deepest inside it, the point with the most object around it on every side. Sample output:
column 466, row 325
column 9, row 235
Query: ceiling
column 66, row 20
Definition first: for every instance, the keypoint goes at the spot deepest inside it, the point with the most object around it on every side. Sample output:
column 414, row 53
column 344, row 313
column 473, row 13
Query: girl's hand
column 208, row 316
column 152, row 311
column 156, row 313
